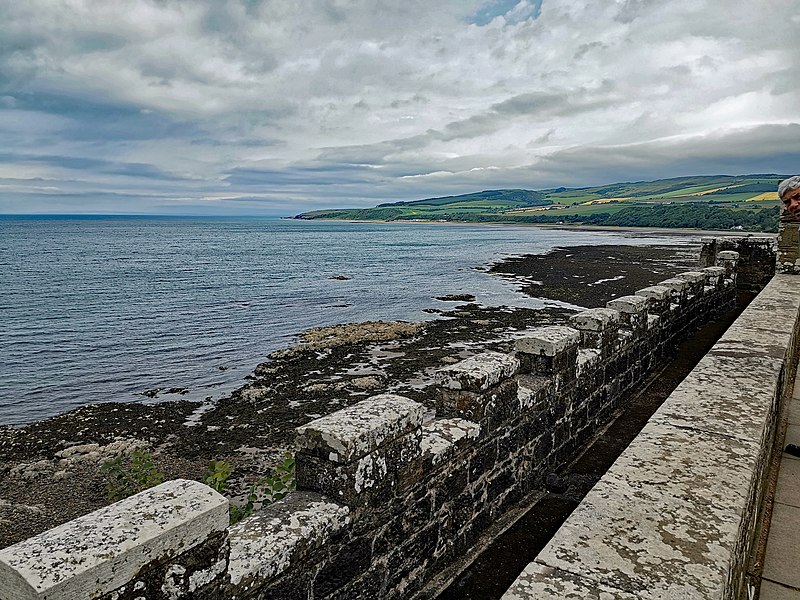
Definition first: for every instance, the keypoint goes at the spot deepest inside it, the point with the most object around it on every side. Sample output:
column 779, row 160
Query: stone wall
column 387, row 497
column 163, row 542
column 756, row 258
column 788, row 245
column 676, row 515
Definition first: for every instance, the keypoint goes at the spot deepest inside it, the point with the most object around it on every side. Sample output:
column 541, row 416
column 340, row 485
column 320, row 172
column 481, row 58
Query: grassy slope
column 741, row 193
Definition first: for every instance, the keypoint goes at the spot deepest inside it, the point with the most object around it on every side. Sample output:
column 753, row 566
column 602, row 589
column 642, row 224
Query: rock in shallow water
column 456, row 298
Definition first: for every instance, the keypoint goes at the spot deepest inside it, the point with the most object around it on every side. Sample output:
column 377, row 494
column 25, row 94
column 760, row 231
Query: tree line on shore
column 685, row 216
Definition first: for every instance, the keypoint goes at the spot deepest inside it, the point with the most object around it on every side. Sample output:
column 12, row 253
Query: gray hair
column 787, row 185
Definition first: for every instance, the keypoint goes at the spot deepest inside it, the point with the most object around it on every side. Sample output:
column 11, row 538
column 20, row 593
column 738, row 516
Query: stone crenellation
column 756, row 264
column 386, row 497
column 679, row 513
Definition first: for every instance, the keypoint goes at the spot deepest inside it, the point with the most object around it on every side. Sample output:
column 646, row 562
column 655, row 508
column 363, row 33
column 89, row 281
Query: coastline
column 645, row 231
column 49, row 461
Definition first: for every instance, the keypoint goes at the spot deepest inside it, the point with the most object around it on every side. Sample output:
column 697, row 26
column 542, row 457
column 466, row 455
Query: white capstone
column 664, row 521
column 262, row 546
column 692, row 276
column 655, row 292
column 102, row 551
column 728, row 255
column 628, row 304
column 541, row 582
column 595, row 319
column 548, row 341
column 714, row 272
column 479, row 372
column 353, row 432
column 675, row 284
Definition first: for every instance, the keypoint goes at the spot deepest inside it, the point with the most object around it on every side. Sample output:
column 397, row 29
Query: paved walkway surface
column 781, row 575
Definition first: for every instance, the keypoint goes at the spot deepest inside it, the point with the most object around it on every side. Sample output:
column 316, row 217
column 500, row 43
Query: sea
column 102, row 309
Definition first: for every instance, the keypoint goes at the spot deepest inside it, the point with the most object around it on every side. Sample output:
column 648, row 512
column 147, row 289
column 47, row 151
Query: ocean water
column 104, row 308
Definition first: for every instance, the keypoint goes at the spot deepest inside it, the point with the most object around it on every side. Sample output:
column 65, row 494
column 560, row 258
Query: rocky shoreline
column 50, row 472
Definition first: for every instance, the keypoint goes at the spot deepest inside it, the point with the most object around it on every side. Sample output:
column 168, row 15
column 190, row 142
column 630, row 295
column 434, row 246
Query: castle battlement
column 389, row 496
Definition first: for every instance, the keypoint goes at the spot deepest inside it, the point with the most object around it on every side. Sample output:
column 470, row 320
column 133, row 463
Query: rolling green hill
column 717, row 201
column 488, row 198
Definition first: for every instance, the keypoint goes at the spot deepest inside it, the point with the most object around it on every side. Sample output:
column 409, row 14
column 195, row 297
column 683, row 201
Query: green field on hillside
column 745, row 202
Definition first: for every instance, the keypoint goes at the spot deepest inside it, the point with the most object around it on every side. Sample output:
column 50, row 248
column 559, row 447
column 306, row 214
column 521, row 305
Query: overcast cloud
column 275, row 107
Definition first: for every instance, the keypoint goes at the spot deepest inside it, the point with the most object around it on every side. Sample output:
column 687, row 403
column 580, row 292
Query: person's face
column 791, row 202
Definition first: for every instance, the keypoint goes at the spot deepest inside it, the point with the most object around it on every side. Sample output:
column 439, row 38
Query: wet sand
column 590, row 277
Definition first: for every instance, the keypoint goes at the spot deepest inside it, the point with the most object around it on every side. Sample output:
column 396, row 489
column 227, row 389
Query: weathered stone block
column 515, row 438
column 441, row 438
column 473, row 529
column 595, row 319
column 478, row 373
column 588, row 361
column 369, row 584
column 365, row 481
column 451, row 484
column 788, row 261
column 598, row 328
column 353, row 560
column 675, row 285
column 695, row 279
column 756, row 264
column 353, row 432
column 633, row 311
column 668, row 480
column 489, row 408
column 658, row 298
column 727, row 255
column 679, row 289
column 454, row 512
column 714, row 276
column 483, row 460
column 708, row 251
column 653, row 322
column 501, row 481
column 533, row 393
column 267, row 543
column 395, row 527
column 728, row 260
column 541, row 582
column 548, row 341
column 548, row 351
column 405, row 565
column 96, row 554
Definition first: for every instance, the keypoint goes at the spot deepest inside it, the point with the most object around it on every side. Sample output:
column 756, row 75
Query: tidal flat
column 51, row 472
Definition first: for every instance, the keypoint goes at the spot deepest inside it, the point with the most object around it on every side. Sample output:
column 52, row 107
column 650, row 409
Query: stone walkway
column 781, row 575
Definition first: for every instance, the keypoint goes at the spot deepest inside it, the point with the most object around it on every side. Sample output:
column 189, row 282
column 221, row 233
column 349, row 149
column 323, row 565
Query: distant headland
column 713, row 202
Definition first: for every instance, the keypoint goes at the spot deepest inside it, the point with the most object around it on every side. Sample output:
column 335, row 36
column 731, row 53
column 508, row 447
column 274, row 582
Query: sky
column 276, row 107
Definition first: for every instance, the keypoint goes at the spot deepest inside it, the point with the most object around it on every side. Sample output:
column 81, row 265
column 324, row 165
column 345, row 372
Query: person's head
column 789, row 193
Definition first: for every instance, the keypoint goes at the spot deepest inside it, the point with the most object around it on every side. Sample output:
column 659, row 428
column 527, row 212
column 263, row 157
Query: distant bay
column 98, row 309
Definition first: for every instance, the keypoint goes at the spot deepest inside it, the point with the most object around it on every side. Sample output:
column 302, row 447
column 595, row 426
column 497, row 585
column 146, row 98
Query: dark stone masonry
column 389, row 494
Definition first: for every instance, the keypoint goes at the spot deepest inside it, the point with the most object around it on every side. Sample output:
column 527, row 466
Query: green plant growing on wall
column 217, row 475
column 128, row 475
column 279, row 483
column 264, row 491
